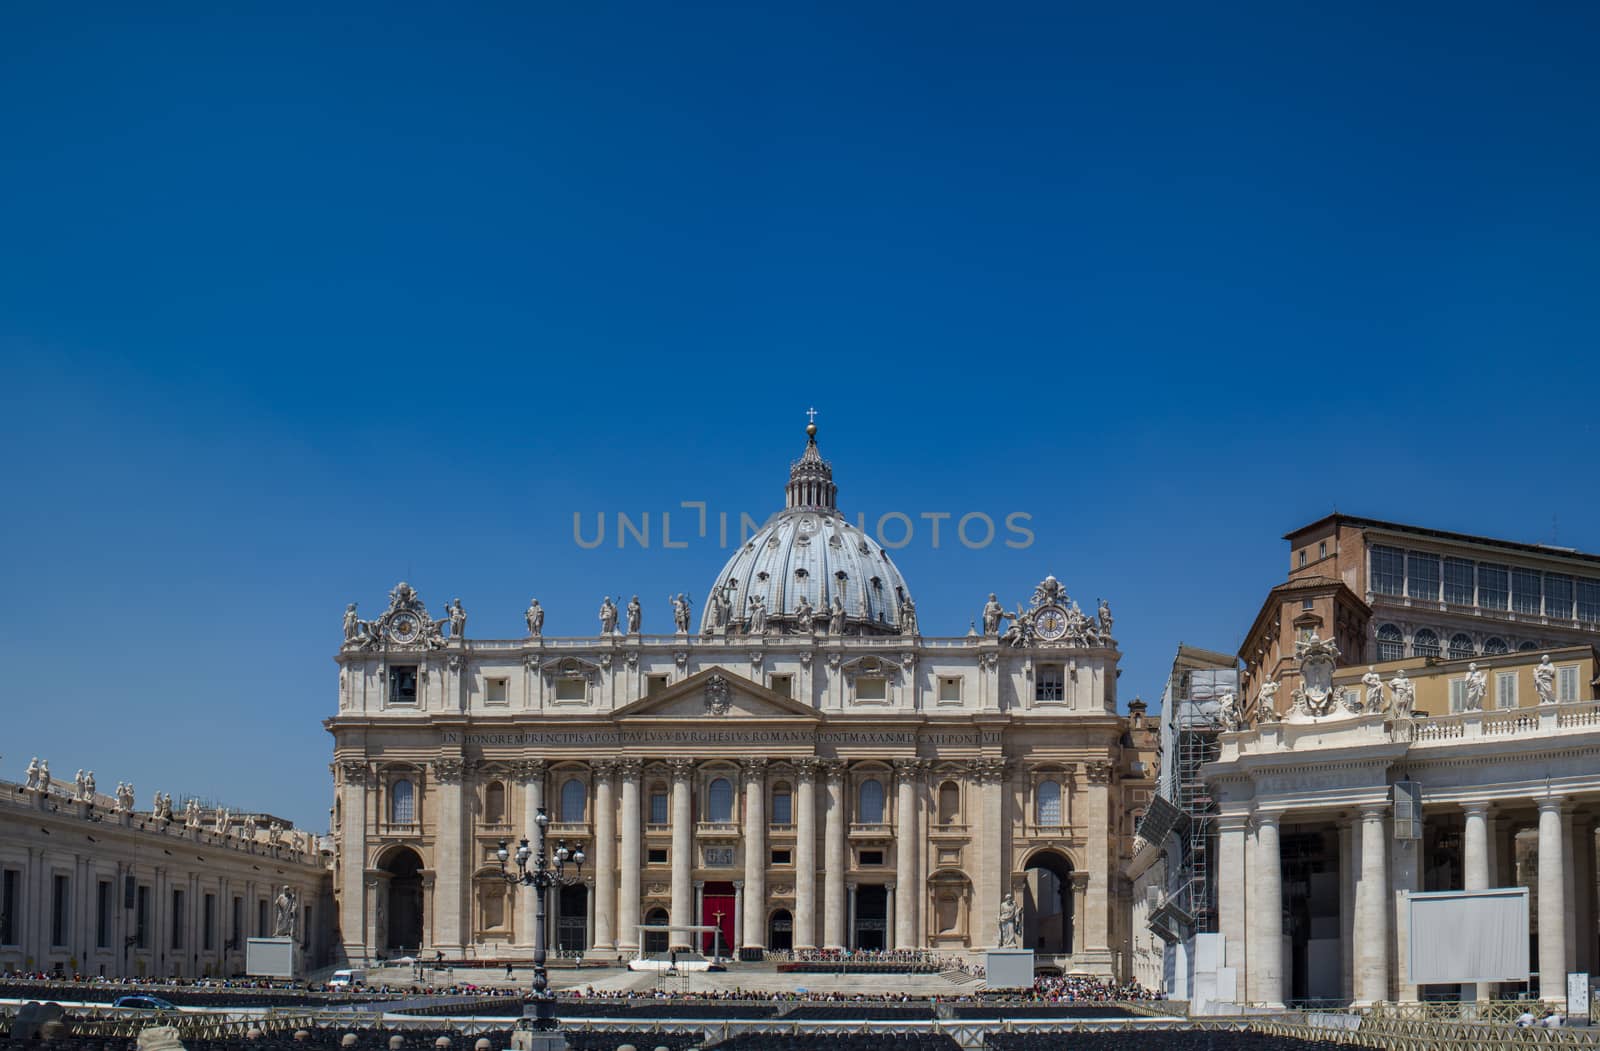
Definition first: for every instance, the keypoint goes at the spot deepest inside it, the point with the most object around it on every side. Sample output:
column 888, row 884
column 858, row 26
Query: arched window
column 1425, row 643
column 1461, row 646
column 494, row 804
column 402, row 802
column 949, row 803
column 719, row 801
column 1493, row 645
column 1391, row 644
column 870, row 801
column 1049, row 803
column 782, row 804
column 574, row 801
column 1527, row 647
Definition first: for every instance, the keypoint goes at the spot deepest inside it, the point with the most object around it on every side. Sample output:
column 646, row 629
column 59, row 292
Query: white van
column 345, row 979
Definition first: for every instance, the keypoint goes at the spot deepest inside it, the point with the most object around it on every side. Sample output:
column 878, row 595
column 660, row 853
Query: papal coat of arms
column 1317, row 656
column 719, row 696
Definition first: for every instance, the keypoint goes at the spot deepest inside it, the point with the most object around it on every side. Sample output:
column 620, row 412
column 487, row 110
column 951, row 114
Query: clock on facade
column 405, row 628
column 1050, row 623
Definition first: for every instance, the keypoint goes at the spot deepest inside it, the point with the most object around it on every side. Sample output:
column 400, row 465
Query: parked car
column 145, row 1003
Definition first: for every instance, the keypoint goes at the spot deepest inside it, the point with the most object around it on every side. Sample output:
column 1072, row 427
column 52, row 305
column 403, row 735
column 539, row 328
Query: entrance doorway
column 717, row 911
column 780, row 930
column 655, row 942
column 1047, row 904
column 872, row 918
column 404, row 933
column 572, row 919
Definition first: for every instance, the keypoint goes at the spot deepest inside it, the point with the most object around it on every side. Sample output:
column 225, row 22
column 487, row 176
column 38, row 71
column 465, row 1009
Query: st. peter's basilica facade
column 801, row 769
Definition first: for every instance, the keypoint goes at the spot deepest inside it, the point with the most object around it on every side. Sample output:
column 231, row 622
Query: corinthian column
column 833, row 934
column 605, row 858
column 352, row 859
column 755, row 853
column 805, row 855
column 632, row 833
column 454, row 883
column 1552, row 901
column 682, row 852
column 1372, row 909
column 531, row 773
column 905, row 854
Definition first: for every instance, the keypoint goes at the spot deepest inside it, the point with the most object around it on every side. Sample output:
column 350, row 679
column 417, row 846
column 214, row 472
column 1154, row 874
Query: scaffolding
column 1186, row 828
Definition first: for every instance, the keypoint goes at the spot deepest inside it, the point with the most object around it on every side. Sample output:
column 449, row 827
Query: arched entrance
column 655, row 942
column 780, row 930
column 1047, row 904
column 403, row 933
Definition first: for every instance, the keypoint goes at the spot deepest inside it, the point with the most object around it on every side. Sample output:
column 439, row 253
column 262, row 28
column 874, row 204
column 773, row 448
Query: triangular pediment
column 716, row 693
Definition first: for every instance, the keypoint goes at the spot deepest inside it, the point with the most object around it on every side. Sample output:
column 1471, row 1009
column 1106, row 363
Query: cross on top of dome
column 811, row 477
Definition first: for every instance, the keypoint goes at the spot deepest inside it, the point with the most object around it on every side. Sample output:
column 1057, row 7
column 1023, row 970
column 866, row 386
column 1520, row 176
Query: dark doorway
column 780, row 930
column 655, row 942
column 872, row 917
column 572, row 922
column 1047, row 904
column 404, row 933
column 717, row 911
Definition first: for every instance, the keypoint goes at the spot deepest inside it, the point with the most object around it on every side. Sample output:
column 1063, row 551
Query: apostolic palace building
column 798, row 767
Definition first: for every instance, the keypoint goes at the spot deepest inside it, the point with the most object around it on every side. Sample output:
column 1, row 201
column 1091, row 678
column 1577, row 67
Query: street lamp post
column 541, row 876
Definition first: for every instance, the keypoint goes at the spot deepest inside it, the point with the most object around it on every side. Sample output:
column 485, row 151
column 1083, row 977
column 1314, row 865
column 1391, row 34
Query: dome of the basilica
column 803, row 558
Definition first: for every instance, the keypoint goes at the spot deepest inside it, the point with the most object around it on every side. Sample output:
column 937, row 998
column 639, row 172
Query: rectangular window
column 655, row 684
column 1558, row 596
column 1322, row 549
column 208, row 923
column 1589, row 600
column 950, row 689
column 1494, row 587
column 177, row 919
column 1525, row 597
column 262, row 930
column 571, row 688
column 872, row 857
column 1505, row 689
column 236, row 931
column 1306, row 603
column 1388, row 571
column 1050, row 683
column 783, row 684
column 497, row 691
column 10, row 887
column 782, row 808
column 1302, row 558
column 60, row 909
column 658, row 808
column 1422, row 576
column 1567, row 683
column 1458, row 694
column 1458, row 581
column 102, row 914
column 872, row 688
column 141, row 919
column 403, row 684
column 782, row 857
column 656, row 856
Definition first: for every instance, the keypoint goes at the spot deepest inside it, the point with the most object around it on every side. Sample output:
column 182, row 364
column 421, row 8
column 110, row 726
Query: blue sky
column 297, row 301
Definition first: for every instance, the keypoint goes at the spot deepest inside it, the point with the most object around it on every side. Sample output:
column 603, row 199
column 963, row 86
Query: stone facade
column 804, row 770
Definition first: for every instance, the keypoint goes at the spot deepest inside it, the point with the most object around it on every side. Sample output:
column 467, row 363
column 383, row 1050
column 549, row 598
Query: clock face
column 404, row 628
column 1050, row 623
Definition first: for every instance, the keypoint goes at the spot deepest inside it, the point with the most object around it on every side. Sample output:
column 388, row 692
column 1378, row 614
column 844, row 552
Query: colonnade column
column 531, row 773
column 453, row 884
column 805, row 854
column 629, row 906
column 682, row 854
column 755, row 853
column 353, row 850
column 833, row 903
column 603, row 930
column 738, row 915
column 905, row 853
column 1347, row 908
column 1372, row 909
column 1266, row 920
column 1231, row 832
column 1569, row 870
column 1475, row 870
column 1552, row 901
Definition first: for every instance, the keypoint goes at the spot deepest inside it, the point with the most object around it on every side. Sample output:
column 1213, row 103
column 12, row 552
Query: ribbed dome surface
column 808, row 549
